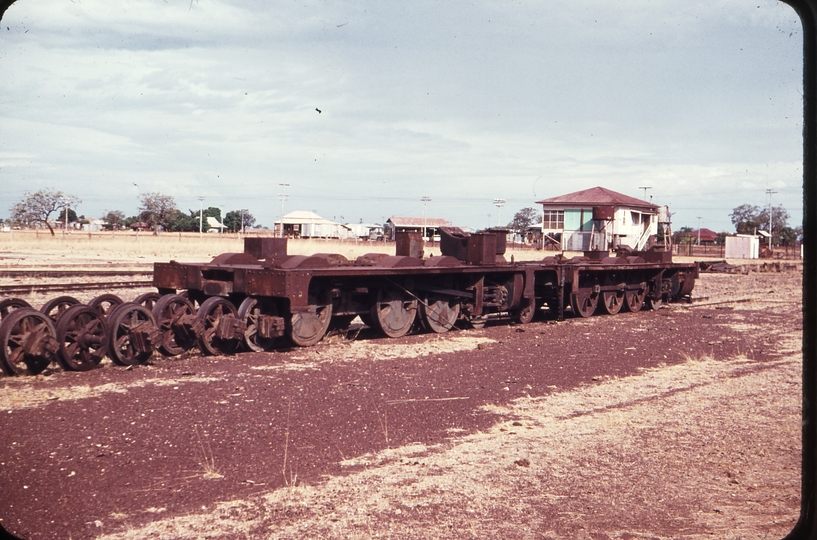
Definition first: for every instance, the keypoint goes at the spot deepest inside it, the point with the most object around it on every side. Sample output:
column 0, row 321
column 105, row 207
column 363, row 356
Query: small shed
column 431, row 225
column 742, row 246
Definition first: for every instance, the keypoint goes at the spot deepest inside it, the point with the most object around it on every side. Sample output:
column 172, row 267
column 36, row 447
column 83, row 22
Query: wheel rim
column 214, row 311
column 635, row 299
column 307, row 328
column 56, row 306
column 105, row 303
column 528, row 311
column 612, row 301
column 148, row 299
column 439, row 314
column 9, row 305
column 124, row 322
column 584, row 304
column 394, row 312
column 82, row 338
column 249, row 311
column 170, row 312
column 19, row 331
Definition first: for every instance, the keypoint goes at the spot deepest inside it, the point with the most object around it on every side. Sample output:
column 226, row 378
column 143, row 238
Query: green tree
column 157, row 210
column 524, row 219
column 746, row 219
column 72, row 216
column 749, row 219
column 236, row 220
column 683, row 236
column 37, row 207
column 114, row 219
column 182, row 222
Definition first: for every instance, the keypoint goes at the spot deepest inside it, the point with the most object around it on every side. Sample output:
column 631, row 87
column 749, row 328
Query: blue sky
column 462, row 102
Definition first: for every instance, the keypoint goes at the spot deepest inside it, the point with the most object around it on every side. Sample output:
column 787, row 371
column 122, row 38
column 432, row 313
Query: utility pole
column 283, row 197
column 65, row 209
column 769, row 192
column 645, row 188
column 201, row 214
column 499, row 203
column 699, row 230
column 425, row 201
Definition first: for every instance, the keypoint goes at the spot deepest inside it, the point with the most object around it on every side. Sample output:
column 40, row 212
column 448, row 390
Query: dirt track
column 681, row 423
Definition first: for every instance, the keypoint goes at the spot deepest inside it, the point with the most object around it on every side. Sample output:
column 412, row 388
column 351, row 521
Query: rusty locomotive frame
column 256, row 298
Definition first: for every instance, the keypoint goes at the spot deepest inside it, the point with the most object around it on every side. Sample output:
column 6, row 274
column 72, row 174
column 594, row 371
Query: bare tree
column 38, row 207
column 157, row 210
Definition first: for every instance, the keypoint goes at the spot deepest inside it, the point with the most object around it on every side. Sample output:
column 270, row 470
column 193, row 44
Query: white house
column 305, row 224
column 599, row 219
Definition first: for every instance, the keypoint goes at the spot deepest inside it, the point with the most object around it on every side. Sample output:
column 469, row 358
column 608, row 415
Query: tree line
column 156, row 210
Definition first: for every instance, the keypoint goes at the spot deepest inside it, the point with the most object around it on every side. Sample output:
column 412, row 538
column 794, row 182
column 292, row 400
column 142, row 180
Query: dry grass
column 29, row 247
column 619, row 457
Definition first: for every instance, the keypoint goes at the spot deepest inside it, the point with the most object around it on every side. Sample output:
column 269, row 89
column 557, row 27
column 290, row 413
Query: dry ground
column 681, row 423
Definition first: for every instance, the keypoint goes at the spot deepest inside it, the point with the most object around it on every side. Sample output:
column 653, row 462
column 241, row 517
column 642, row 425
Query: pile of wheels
column 78, row 336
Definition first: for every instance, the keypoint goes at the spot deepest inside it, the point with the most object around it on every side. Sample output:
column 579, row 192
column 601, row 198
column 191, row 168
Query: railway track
column 66, row 273
column 17, row 289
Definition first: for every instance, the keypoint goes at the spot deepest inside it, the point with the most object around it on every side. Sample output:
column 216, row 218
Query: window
column 554, row 219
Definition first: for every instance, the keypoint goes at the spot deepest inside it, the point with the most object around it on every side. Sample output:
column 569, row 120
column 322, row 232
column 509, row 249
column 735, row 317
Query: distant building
column 213, row 226
column 599, row 219
column 706, row 236
column 397, row 224
column 305, row 224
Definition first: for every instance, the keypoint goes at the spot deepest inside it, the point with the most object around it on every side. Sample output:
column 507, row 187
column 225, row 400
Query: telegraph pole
column 425, row 201
column 283, row 197
column 699, row 230
column 499, row 203
column 769, row 192
column 645, row 188
column 201, row 214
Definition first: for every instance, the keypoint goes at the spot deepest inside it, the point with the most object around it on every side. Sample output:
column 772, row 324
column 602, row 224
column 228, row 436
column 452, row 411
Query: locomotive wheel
column 307, row 328
column 104, row 303
column 612, row 301
column 634, row 300
column 394, row 311
column 249, row 311
column 526, row 314
column 27, row 342
column 584, row 303
column 56, row 306
column 7, row 305
column 439, row 314
column 211, row 312
column 148, row 299
column 82, row 338
column 655, row 303
column 167, row 310
column 125, row 323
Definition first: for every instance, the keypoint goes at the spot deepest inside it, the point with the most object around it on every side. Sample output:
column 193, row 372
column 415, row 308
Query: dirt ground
column 678, row 423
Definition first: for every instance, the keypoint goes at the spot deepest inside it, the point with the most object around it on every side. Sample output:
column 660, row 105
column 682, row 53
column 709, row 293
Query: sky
column 357, row 110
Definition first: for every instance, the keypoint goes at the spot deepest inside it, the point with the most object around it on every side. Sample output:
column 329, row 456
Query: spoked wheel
column 634, row 300
column 148, row 299
column 263, row 327
column 393, row 312
column 307, row 328
column 54, row 307
column 655, row 303
column 104, row 303
column 133, row 334
column 27, row 342
column 612, row 301
column 178, row 323
column 584, row 303
column 439, row 313
column 528, row 311
column 82, row 338
column 7, row 305
column 223, row 330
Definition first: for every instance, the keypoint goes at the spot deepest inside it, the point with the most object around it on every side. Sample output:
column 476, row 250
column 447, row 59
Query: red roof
column 597, row 196
column 706, row 235
column 418, row 222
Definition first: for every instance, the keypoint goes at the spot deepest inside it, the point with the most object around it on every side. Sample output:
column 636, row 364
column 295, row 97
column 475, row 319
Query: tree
column 72, row 216
column 157, row 210
column 38, row 207
column 182, row 222
column 683, row 236
column 749, row 219
column 114, row 218
column 524, row 219
column 236, row 220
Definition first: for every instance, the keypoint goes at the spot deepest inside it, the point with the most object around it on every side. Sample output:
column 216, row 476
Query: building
column 213, row 224
column 703, row 236
column 305, row 224
column 599, row 219
column 397, row 224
